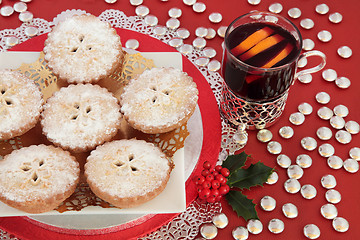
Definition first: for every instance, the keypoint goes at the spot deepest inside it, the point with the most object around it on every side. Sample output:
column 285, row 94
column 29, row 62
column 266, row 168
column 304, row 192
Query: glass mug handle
column 313, row 69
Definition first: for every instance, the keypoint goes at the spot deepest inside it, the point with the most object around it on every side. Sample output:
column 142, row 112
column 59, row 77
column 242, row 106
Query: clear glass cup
column 260, row 59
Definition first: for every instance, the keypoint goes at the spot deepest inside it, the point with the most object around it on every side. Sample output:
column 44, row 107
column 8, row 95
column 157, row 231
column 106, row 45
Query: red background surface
column 344, row 33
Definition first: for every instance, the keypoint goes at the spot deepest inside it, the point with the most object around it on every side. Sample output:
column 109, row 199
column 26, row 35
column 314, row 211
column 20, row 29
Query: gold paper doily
column 48, row 83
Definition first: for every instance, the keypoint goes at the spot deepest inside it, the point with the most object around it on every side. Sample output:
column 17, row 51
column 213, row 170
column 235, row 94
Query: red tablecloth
column 344, row 33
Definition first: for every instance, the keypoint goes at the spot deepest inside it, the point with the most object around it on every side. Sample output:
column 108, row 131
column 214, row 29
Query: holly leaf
column 243, row 206
column 235, row 162
column 255, row 175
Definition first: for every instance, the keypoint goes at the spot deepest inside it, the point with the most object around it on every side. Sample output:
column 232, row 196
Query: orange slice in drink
column 251, row 78
column 261, row 46
column 252, row 40
column 280, row 56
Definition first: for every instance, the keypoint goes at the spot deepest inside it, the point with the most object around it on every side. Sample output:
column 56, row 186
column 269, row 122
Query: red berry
column 199, row 188
column 225, row 172
column 205, row 172
column 218, row 198
column 215, row 184
column 206, row 184
column 214, row 173
column 221, row 179
column 214, row 193
column 210, row 199
column 198, row 180
column 206, row 165
column 218, row 168
column 209, row 177
column 205, row 193
column 224, row 189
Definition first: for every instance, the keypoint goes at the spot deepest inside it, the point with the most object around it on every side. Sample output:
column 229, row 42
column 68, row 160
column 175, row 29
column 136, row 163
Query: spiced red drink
column 260, row 45
column 261, row 52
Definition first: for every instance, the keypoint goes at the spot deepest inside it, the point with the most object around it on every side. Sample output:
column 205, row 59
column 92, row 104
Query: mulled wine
column 260, row 60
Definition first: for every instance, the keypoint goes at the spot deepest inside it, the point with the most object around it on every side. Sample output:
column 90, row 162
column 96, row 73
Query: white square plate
column 171, row 200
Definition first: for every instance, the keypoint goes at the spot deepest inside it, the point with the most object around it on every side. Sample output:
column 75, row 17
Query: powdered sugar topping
column 159, row 97
column 20, row 102
column 37, row 172
column 127, row 168
column 82, row 115
column 82, row 49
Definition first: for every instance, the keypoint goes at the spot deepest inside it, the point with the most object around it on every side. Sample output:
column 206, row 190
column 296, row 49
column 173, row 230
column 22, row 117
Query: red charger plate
column 24, row 227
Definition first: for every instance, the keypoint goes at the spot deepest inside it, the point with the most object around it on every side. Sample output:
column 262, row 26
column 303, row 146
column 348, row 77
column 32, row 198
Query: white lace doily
column 185, row 225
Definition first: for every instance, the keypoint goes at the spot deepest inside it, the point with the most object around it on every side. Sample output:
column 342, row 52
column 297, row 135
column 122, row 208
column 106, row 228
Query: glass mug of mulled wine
column 261, row 54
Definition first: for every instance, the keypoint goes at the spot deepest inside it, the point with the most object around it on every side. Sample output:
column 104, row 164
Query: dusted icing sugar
column 127, row 168
column 20, row 103
column 159, row 97
column 82, row 49
column 37, row 172
column 81, row 116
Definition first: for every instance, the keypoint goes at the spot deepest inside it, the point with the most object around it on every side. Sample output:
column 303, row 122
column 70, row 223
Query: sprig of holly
column 240, row 179
column 229, row 179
